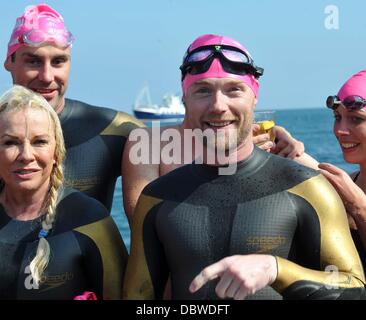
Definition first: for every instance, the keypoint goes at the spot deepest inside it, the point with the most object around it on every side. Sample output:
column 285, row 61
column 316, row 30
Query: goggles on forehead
column 350, row 102
column 232, row 59
column 35, row 38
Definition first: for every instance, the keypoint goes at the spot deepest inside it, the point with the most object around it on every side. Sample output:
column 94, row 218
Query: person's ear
column 7, row 64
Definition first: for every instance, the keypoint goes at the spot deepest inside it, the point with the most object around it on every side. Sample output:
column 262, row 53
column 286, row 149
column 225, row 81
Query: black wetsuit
column 94, row 139
column 193, row 217
column 87, row 253
column 357, row 239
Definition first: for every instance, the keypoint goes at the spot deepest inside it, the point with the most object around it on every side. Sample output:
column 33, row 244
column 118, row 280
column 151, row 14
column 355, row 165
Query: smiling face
column 44, row 70
column 27, row 150
column 350, row 130
column 223, row 105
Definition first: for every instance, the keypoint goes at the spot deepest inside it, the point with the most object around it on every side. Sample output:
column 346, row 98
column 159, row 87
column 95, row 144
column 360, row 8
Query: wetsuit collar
column 245, row 167
column 65, row 113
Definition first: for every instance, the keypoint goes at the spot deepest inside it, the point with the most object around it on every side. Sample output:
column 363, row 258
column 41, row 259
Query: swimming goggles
column 350, row 102
column 35, row 38
column 233, row 60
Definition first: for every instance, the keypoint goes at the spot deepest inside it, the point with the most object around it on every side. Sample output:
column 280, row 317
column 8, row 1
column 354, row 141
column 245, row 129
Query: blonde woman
column 55, row 243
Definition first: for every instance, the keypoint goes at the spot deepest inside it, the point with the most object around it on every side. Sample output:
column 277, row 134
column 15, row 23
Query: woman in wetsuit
column 349, row 109
column 55, row 243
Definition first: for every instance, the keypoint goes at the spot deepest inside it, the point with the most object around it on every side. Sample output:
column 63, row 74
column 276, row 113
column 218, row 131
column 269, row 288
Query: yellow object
column 266, row 125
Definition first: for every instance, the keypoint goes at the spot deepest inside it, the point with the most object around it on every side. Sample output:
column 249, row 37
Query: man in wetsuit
column 269, row 230
column 38, row 58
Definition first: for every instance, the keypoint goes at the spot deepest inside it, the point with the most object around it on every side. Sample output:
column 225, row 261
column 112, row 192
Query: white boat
column 170, row 108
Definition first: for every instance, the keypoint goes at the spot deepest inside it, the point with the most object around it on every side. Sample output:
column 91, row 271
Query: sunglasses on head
column 350, row 102
column 35, row 38
column 232, row 59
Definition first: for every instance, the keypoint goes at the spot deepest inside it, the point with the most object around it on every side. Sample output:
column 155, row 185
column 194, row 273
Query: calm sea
column 312, row 126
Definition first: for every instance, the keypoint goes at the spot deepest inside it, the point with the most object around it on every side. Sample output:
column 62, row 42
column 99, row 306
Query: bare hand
column 240, row 275
column 262, row 140
column 353, row 197
column 286, row 145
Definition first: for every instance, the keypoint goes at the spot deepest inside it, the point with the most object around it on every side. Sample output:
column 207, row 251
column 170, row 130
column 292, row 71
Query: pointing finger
column 209, row 273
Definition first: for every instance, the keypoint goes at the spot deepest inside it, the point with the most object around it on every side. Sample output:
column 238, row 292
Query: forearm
column 333, row 249
column 296, row 282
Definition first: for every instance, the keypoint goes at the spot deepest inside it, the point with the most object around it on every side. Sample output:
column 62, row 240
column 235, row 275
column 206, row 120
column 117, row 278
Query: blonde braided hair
column 40, row 261
column 18, row 98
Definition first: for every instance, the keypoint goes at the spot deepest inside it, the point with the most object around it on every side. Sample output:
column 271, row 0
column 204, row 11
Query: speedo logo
column 48, row 282
column 265, row 244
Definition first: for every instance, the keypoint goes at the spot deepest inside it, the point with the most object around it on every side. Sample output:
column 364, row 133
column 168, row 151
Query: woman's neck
column 23, row 205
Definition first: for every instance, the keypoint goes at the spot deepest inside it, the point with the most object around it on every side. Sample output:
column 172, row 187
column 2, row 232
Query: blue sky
column 120, row 45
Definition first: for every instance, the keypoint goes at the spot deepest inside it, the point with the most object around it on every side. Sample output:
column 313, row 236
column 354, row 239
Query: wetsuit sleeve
column 144, row 279
column 337, row 251
column 121, row 125
column 105, row 257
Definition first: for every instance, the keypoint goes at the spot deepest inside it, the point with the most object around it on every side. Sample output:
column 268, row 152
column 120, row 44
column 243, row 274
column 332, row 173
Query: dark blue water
column 312, row 126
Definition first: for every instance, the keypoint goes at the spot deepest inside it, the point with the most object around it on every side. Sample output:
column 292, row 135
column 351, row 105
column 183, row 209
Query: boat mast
column 143, row 96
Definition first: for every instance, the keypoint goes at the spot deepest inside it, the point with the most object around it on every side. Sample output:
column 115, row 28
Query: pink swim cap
column 39, row 23
column 354, row 86
column 216, row 70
